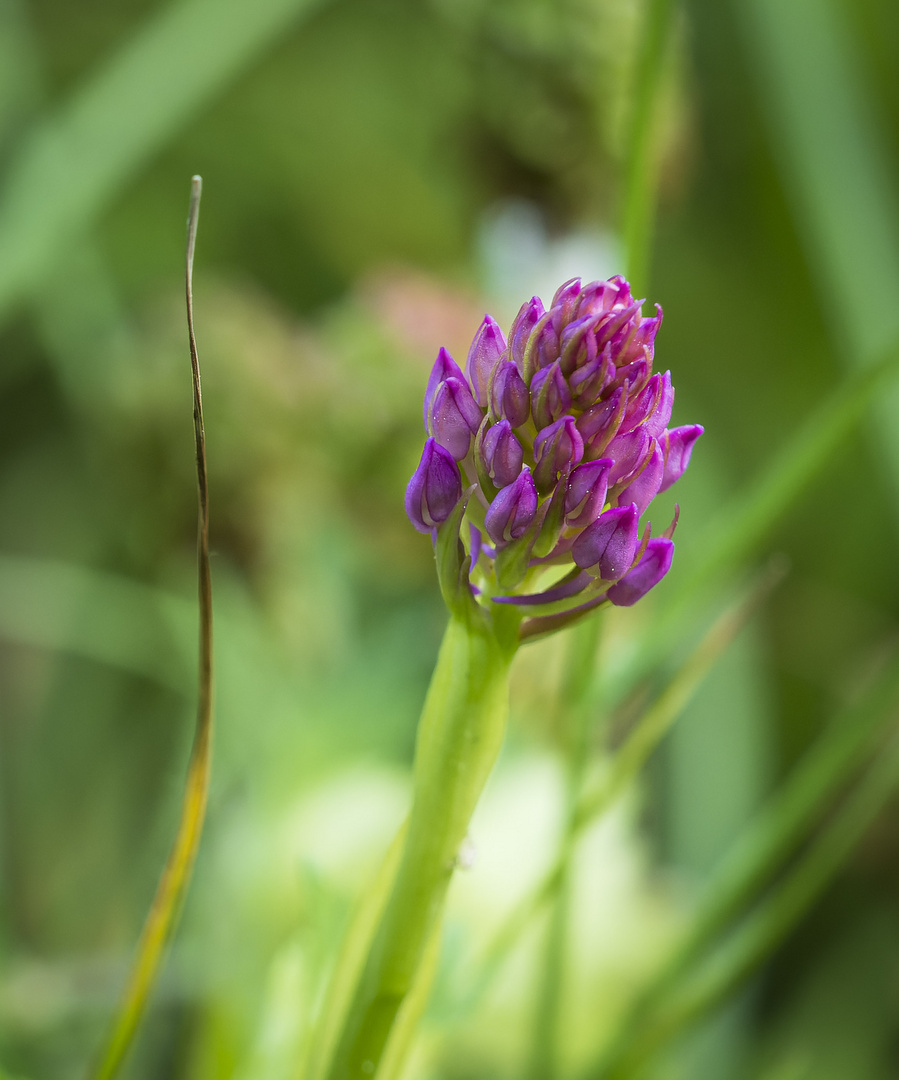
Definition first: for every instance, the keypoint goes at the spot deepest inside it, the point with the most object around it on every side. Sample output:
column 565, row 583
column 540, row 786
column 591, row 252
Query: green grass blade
column 767, row 926
column 833, row 149
column 71, row 165
column 767, row 842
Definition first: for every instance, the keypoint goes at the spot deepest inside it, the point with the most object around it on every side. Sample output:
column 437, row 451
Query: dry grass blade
column 176, row 875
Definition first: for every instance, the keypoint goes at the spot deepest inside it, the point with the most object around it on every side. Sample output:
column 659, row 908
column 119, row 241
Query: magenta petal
column 654, row 565
column 609, row 544
column 567, row 589
column 487, row 347
column 434, row 489
column 645, row 488
column 513, row 509
column 677, row 446
column 445, row 367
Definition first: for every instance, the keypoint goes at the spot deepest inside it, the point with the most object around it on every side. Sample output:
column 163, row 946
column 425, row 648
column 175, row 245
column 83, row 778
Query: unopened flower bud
column 487, row 347
column 513, row 510
column 509, row 398
column 557, row 449
column 550, row 396
column 445, row 367
column 645, row 487
column 677, row 446
column 650, row 570
column 434, row 489
column 501, row 454
column 586, row 494
column 608, row 546
column 527, row 318
column 454, row 416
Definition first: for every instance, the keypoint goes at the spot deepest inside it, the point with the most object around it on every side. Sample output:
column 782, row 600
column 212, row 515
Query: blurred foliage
column 354, row 153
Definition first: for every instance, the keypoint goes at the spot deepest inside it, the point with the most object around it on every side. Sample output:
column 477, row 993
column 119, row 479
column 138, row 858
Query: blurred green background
column 378, row 174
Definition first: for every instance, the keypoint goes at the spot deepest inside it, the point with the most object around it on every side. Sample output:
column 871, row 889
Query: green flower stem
column 459, row 737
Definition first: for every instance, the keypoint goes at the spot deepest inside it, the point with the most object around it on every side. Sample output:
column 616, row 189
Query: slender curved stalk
column 176, row 875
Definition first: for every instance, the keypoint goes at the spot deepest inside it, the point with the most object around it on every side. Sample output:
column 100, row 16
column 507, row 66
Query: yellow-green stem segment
column 459, row 737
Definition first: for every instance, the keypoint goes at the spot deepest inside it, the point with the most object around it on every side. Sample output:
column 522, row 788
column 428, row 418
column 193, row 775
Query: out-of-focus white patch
column 521, row 259
column 342, row 828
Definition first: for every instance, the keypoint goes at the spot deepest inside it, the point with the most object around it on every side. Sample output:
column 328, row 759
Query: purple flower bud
column 640, row 406
column 545, row 345
column 445, row 367
column 650, row 570
column 513, row 510
column 601, row 296
column 629, row 452
column 617, row 324
column 434, row 489
column 599, row 425
column 644, row 489
column 501, row 454
column 455, row 417
column 589, row 381
column 509, row 399
column 487, row 347
column 586, row 494
column 557, row 449
column 635, row 374
column 677, row 446
column 578, row 343
column 607, row 547
column 550, row 396
column 657, row 423
column 527, row 318
column 564, row 303
column 642, row 336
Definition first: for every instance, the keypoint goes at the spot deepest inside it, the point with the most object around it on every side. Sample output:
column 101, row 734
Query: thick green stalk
column 459, row 736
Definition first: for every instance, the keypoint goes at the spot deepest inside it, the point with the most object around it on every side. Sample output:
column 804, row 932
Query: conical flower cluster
column 553, row 443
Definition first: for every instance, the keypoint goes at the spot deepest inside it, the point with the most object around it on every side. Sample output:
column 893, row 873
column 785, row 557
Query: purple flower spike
column 550, row 397
column 513, row 510
column 527, row 318
column 574, row 447
column 644, row 489
column 557, row 449
column 455, row 417
column 654, row 565
column 677, row 446
column 586, row 494
column 607, row 547
column 434, row 489
column 487, row 347
column 445, row 367
column 501, row 454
